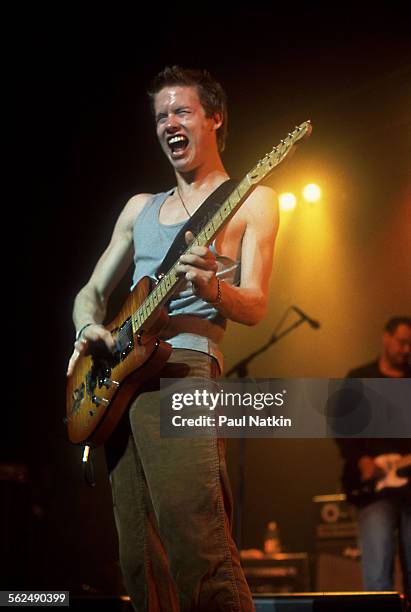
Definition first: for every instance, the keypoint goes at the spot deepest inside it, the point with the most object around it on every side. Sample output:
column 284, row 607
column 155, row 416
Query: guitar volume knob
column 99, row 400
column 109, row 382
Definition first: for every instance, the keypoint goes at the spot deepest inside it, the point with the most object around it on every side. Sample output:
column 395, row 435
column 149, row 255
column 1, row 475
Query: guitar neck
column 170, row 283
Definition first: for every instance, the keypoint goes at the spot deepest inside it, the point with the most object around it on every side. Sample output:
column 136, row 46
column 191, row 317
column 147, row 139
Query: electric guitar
column 103, row 384
column 394, row 477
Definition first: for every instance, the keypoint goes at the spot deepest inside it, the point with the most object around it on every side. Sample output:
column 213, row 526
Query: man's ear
column 218, row 120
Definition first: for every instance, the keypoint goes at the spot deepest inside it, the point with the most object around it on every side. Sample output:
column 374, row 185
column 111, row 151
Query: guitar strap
column 196, row 223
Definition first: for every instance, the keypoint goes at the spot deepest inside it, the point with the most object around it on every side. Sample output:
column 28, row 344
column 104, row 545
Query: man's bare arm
column 246, row 304
column 91, row 302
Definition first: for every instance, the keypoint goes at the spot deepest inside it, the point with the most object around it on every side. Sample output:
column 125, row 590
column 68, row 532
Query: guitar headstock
column 267, row 164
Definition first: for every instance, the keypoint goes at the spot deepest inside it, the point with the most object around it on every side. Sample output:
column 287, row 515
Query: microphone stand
column 241, row 368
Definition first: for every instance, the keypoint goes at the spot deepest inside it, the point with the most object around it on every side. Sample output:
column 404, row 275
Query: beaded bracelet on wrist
column 219, row 296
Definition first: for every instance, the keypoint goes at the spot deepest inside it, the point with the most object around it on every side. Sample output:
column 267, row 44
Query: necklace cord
column 182, row 202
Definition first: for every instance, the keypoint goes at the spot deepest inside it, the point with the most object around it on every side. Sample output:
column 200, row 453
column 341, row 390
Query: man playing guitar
column 376, row 475
column 172, row 500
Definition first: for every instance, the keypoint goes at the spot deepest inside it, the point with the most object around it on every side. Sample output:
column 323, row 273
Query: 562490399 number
column 34, row 598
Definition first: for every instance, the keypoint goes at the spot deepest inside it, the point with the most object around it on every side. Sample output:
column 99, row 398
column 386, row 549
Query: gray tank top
column 152, row 240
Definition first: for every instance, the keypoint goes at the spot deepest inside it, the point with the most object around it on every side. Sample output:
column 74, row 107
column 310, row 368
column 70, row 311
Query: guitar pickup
column 78, row 395
column 91, row 381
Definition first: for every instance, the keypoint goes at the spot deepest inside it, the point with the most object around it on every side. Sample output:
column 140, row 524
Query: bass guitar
column 395, row 470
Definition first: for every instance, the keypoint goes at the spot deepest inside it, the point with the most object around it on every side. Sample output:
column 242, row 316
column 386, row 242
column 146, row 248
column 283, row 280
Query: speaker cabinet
column 279, row 573
column 338, row 560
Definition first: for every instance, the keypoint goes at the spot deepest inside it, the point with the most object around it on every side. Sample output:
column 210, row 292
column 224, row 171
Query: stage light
column 312, row 192
column 288, row 201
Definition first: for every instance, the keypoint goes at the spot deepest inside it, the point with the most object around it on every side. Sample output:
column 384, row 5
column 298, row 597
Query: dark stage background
column 86, row 144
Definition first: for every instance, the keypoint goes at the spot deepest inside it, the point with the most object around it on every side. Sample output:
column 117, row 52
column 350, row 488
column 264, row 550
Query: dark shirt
column 372, row 370
column 352, row 449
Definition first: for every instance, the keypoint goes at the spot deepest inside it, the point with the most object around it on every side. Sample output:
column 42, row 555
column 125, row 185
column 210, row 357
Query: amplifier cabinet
column 279, row 573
